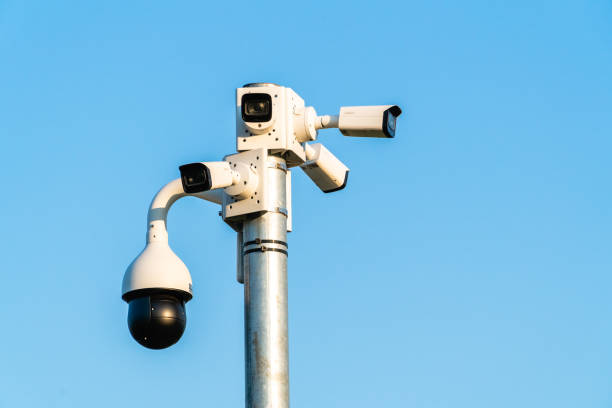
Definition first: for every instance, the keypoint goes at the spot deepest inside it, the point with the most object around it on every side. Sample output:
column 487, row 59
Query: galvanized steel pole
column 264, row 253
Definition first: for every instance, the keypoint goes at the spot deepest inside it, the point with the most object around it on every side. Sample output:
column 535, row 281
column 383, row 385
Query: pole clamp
column 259, row 241
column 263, row 248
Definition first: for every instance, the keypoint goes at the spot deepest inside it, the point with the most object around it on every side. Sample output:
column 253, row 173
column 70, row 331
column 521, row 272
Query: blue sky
column 467, row 263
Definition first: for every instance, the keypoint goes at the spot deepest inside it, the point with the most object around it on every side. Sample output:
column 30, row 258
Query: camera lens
column 195, row 177
column 157, row 321
column 256, row 107
column 389, row 120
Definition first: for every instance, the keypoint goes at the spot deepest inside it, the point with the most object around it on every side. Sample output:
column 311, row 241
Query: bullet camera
column 368, row 121
column 325, row 169
column 199, row 177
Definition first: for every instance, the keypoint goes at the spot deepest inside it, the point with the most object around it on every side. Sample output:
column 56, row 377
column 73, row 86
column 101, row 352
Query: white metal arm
column 163, row 200
column 327, row 121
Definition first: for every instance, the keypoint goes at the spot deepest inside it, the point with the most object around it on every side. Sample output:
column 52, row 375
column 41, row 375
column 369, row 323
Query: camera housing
column 325, row 169
column 275, row 118
column 369, row 121
column 156, row 286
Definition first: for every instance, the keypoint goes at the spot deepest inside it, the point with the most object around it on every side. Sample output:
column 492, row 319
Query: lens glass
column 195, row 178
column 256, row 107
column 391, row 123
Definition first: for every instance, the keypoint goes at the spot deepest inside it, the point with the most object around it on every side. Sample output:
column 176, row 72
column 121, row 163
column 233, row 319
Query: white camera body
column 324, row 169
column 275, row 118
column 368, row 121
column 157, row 268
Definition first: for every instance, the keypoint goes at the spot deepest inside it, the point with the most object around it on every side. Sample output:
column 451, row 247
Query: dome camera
column 156, row 286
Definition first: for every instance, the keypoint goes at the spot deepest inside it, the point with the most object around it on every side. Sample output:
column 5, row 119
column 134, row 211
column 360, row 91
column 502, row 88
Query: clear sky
column 468, row 262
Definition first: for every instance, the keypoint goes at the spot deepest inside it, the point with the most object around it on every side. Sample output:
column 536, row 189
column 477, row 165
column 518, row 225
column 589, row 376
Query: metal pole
column 265, row 254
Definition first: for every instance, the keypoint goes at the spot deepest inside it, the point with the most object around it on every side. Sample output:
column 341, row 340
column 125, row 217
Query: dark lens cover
column 256, row 107
column 195, row 178
column 389, row 120
column 157, row 321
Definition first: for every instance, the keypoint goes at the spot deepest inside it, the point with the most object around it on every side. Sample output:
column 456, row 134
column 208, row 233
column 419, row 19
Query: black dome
column 157, row 320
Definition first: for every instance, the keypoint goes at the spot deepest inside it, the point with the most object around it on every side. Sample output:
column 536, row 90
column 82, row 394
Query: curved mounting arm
column 163, row 200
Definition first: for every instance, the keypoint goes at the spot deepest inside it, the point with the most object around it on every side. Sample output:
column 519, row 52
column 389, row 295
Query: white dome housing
column 157, row 267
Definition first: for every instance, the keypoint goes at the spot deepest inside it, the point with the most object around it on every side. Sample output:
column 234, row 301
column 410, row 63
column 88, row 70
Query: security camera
column 157, row 284
column 363, row 121
column 156, row 287
column 198, row 177
column 327, row 172
column 275, row 118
